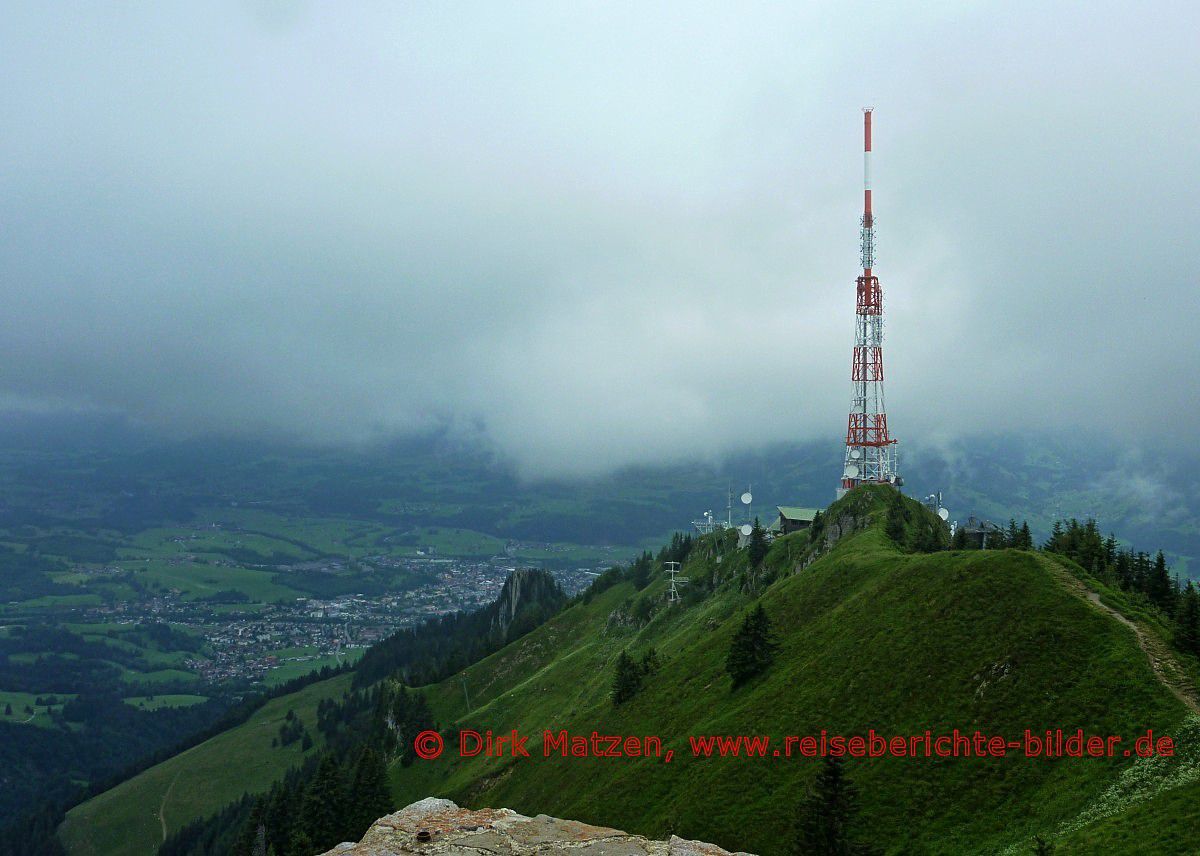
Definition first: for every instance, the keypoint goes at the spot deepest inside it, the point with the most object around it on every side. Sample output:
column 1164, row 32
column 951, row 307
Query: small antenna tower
column 706, row 524
column 672, row 569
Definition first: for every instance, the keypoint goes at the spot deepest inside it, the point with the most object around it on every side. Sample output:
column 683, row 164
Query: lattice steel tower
column 870, row 449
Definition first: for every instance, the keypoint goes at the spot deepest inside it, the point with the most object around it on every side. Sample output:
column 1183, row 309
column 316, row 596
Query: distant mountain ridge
column 137, row 479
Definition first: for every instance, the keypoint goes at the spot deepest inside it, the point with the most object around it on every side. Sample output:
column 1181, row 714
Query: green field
column 298, row 668
column 40, row 715
column 197, row 581
column 131, row 817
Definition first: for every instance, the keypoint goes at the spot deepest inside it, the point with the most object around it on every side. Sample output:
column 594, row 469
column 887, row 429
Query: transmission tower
column 870, row 449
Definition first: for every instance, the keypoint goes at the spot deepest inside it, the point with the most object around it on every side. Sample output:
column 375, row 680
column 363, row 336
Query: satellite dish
column 851, row 471
column 746, row 529
column 746, row 498
column 856, row 453
column 944, row 514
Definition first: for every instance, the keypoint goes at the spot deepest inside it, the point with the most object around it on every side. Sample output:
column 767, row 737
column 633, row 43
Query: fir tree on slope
column 1187, row 621
column 756, row 550
column 325, row 806
column 627, row 680
column 752, row 649
column 371, row 794
column 825, row 824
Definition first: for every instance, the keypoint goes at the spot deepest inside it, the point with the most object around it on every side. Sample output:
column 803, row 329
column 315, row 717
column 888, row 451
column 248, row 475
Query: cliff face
column 528, row 596
column 437, row 826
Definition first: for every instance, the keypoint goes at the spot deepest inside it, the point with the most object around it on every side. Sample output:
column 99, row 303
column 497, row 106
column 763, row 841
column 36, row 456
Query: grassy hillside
column 871, row 638
column 134, row 817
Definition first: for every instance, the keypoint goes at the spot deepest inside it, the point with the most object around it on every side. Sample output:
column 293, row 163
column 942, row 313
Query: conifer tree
column 825, row 824
column 1025, row 537
column 370, row 792
column 1042, row 847
column 894, row 527
column 627, row 680
column 301, row 844
column 1187, row 620
column 641, row 571
column 1055, row 543
column 752, row 649
column 756, row 550
column 325, row 806
column 1158, row 586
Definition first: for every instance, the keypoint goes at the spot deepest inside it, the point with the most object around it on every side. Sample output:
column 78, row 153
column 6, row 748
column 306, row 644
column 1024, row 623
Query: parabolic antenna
column 944, row 514
column 747, row 498
column 746, row 529
column 851, row 471
column 856, row 453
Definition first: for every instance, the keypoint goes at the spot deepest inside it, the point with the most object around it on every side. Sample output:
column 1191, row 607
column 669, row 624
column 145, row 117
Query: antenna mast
column 870, row 449
column 672, row 569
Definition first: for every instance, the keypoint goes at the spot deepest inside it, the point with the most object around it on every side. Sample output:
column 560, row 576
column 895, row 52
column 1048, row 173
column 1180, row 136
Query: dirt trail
column 1165, row 666
column 162, row 807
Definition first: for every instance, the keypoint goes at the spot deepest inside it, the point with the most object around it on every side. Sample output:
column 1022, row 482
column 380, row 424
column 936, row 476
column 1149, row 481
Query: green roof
column 793, row 512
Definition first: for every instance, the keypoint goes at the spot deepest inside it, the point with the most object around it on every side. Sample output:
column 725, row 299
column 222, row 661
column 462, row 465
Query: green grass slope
column 871, row 638
column 133, row 817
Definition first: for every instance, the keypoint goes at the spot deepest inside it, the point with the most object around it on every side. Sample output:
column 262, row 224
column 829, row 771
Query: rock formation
column 437, row 826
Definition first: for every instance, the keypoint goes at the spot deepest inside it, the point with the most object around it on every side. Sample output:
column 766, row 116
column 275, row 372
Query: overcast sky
column 598, row 233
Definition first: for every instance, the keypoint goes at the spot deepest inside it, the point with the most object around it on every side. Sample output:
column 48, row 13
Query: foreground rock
column 435, row 826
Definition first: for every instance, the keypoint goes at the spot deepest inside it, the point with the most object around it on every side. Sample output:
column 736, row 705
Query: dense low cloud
column 597, row 234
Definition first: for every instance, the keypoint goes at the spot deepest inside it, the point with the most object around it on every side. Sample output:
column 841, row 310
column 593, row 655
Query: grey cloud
column 603, row 233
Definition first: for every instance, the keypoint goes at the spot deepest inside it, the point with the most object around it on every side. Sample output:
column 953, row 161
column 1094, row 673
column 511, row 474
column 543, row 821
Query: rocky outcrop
column 437, row 826
column 526, row 590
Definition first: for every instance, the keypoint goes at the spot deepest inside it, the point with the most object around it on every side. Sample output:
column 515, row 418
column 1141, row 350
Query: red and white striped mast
column 870, row 450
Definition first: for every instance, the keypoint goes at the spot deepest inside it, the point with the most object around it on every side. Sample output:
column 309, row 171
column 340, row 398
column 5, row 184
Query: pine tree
column 325, row 806
column 1042, row 847
column 825, row 825
column 752, row 649
column 1124, row 570
column 894, row 527
column 627, row 680
column 641, row 571
column 253, row 832
column 1187, row 621
column 928, row 539
column 1158, row 586
column 1055, row 543
column 370, row 792
column 757, row 548
column 1025, row 537
column 301, row 844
